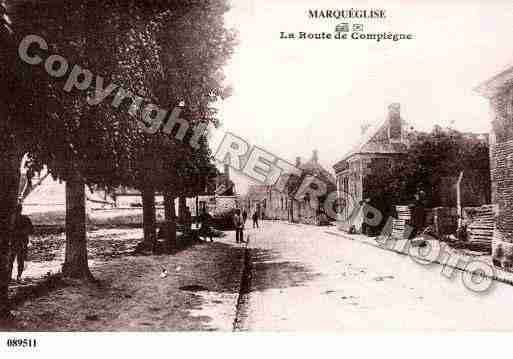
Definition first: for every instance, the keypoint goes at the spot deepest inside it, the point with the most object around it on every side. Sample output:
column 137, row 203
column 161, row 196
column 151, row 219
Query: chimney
column 298, row 161
column 395, row 131
column 394, row 110
column 364, row 127
column 227, row 171
column 315, row 156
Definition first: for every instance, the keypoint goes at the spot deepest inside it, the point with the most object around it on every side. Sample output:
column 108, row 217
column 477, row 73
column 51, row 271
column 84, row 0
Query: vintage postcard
column 254, row 166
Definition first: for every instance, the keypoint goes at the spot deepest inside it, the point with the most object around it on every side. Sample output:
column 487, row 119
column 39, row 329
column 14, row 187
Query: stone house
column 306, row 209
column 381, row 146
column 499, row 91
column 283, row 205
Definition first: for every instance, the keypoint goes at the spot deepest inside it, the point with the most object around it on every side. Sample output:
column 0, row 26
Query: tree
column 79, row 140
column 196, row 46
column 176, row 170
column 186, row 179
column 99, row 140
column 13, row 140
column 431, row 160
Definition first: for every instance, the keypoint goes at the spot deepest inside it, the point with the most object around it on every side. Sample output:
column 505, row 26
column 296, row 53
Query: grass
column 130, row 294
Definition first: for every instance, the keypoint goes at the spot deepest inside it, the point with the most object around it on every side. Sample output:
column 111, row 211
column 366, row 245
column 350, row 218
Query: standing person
column 239, row 227
column 244, row 215
column 187, row 221
column 22, row 230
column 365, row 208
column 418, row 213
column 206, row 227
column 255, row 219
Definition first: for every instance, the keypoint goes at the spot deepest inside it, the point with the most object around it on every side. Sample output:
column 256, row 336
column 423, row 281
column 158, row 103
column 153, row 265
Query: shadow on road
column 268, row 271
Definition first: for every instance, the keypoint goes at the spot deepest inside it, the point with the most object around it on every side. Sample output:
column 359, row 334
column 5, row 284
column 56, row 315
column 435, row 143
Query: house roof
column 492, row 86
column 313, row 167
column 367, row 136
column 53, row 192
column 366, row 145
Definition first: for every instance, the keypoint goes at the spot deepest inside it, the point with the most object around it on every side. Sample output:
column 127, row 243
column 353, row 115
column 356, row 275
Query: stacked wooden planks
column 403, row 212
column 398, row 228
column 480, row 226
column 399, row 223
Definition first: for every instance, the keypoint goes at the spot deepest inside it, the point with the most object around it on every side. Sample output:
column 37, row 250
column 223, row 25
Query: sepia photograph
column 251, row 172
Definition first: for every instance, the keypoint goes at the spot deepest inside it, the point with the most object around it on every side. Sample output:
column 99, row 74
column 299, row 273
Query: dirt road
column 306, row 279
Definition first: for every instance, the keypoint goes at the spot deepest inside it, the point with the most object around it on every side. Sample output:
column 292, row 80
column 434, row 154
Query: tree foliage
column 432, row 161
column 166, row 51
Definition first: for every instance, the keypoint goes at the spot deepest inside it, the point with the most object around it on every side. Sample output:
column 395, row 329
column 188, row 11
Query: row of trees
column 169, row 52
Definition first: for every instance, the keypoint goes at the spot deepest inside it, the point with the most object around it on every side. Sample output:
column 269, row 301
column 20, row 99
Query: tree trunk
column 149, row 220
column 75, row 261
column 9, row 181
column 197, row 213
column 182, row 203
column 170, row 218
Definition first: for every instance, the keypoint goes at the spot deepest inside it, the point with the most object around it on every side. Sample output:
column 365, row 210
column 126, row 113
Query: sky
column 293, row 96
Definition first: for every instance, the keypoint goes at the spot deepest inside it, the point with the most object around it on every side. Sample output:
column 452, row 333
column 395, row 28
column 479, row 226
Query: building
column 284, row 205
column 256, row 200
column 306, row 209
column 499, row 91
column 221, row 185
column 381, row 146
column 44, row 199
column 45, row 194
column 224, row 186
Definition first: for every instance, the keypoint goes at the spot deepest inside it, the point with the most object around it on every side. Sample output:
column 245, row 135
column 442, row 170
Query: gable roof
column 367, row 136
column 492, row 86
column 52, row 192
column 313, row 167
column 366, row 144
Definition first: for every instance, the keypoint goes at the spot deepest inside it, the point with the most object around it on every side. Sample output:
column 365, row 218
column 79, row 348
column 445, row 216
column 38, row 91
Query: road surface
column 306, row 279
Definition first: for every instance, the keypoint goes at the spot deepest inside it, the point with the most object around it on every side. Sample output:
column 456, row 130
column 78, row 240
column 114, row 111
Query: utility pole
column 458, row 199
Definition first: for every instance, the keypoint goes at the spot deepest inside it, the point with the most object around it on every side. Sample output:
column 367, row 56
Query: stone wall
column 351, row 187
column 282, row 207
column 278, row 206
column 502, row 187
column 501, row 166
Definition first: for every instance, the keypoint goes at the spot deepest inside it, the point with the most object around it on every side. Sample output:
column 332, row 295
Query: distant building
column 46, row 195
column 499, row 91
column 284, row 205
column 220, row 186
column 256, row 200
column 224, row 186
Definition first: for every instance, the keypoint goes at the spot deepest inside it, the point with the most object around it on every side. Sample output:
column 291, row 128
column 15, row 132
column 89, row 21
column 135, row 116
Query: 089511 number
column 21, row 343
